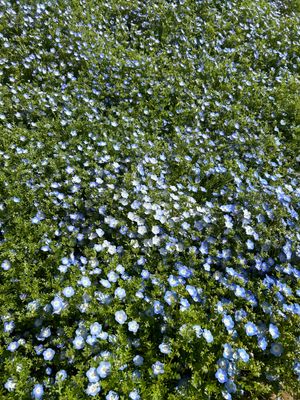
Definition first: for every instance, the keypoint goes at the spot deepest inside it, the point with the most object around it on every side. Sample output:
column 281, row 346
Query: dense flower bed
column 150, row 197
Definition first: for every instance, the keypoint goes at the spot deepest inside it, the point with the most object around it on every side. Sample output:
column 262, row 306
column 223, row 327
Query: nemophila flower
column 157, row 306
column 111, row 395
column 13, row 346
column 138, row 360
column 9, row 326
column 93, row 389
column 38, row 391
column 133, row 326
column 92, row 375
column 6, row 265
column 262, row 343
column 198, row 330
column 227, row 351
column 228, row 322
column 48, row 354
column 120, row 293
column 158, row 368
column 120, row 317
column 208, row 335
column 78, row 342
column 244, row 356
column 85, row 282
column 95, row 329
column 230, row 386
column 10, row 385
column 68, row 291
column 104, row 369
column 57, row 305
column 165, row 348
column 251, row 329
column 134, row 395
column 61, row 375
column 274, row 332
column 276, row 349
column 221, row 375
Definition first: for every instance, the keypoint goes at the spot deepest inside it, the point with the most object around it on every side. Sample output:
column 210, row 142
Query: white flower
column 133, row 326
column 120, row 317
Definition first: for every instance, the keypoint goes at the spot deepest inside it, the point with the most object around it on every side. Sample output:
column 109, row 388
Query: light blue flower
column 13, row 346
column 78, row 342
column 111, row 395
column 165, row 348
column 92, row 375
column 274, row 331
column 244, row 356
column 93, row 389
column 6, row 265
column 251, row 329
column 10, row 385
column 57, row 305
column 61, row 375
column 120, row 317
column 48, row 354
column 120, row 293
column 134, row 395
column 103, row 369
column 95, row 329
column 221, row 375
column 208, row 336
column 230, row 386
column 228, row 351
column 276, row 349
column 138, row 360
column 68, row 291
column 158, row 368
column 228, row 322
column 133, row 326
column 262, row 343
column 38, row 391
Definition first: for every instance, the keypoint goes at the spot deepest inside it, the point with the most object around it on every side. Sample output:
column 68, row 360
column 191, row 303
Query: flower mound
column 150, row 197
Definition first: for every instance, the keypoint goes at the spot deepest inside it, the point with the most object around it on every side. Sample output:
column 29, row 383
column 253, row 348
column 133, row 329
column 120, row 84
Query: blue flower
column 111, row 395
column 158, row 368
column 165, row 348
column 120, row 317
column 276, row 349
column 228, row 351
column 68, row 291
column 93, row 389
column 92, row 375
column 208, row 336
column 61, row 375
column 133, row 326
column 57, row 305
column 134, row 395
column 6, row 265
column 103, row 369
column 230, row 386
column 138, row 360
column 274, row 332
column 13, row 346
column 262, row 343
column 244, row 356
column 78, row 342
column 38, row 391
column 221, row 375
column 228, row 322
column 48, row 354
column 95, row 329
column 251, row 329
column 10, row 385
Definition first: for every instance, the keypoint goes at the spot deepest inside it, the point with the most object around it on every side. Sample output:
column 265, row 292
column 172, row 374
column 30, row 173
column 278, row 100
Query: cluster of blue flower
column 149, row 229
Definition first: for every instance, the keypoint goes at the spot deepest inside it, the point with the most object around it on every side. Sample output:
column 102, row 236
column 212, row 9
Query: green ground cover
column 150, row 197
